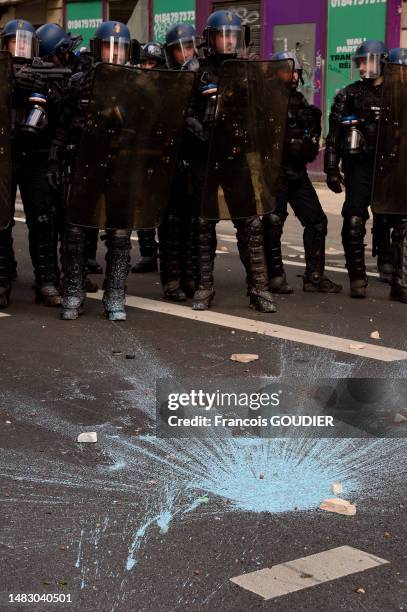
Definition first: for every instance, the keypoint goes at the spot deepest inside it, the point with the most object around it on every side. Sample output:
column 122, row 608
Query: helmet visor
column 182, row 50
column 367, row 67
column 115, row 51
column 226, row 40
column 24, row 44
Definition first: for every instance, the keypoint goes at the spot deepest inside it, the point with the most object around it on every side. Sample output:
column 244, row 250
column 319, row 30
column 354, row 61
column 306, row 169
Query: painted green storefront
column 83, row 18
column 349, row 23
column 180, row 11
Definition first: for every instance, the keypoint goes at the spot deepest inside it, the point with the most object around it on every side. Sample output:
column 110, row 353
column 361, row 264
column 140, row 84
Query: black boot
column 353, row 233
column 314, row 279
column 148, row 252
column 250, row 243
column 43, row 249
column 169, row 236
column 118, row 245
column 399, row 247
column 189, row 273
column 73, row 292
column 273, row 229
column 92, row 266
column 205, row 247
column 381, row 242
column 6, row 261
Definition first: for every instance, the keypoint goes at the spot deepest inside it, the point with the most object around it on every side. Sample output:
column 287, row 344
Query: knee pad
column 355, row 227
column 320, row 228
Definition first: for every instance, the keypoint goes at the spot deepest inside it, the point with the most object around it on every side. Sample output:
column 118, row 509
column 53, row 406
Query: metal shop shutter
column 249, row 12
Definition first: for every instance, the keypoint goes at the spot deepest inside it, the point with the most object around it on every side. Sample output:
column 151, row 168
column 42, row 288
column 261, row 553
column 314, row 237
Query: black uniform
column 362, row 100
column 176, row 243
column 117, row 241
column 296, row 189
column 29, row 167
column 250, row 240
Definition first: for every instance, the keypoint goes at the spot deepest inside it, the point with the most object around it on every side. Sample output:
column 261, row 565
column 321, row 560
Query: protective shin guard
column 382, row 249
column 399, row 247
column 6, row 262
column 43, row 248
column 273, row 229
column 205, row 235
column 353, row 233
column 148, row 252
column 250, row 242
column 73, row 288
column 117, row 267
column 314, row 279
column 170, row 235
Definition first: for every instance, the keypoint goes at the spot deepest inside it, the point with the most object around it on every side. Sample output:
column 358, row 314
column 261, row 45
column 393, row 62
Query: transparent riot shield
column 128, row 151
column 390, row 177
column 6, row 70
column 247, row 139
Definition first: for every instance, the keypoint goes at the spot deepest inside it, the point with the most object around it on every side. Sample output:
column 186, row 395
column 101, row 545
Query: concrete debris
column 88, row 437
column 337, row 487
column 399, row 418
column 375, row 335
column 338, row 505
column 243, row 357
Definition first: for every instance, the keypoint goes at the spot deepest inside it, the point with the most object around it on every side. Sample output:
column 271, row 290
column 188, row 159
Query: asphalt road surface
column 137, row 522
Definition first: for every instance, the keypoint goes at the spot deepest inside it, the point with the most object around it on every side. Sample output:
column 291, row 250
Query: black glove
column 309, row 116
column 196, row 127
column 31, row 82
column 54, row 175
column 334, row 180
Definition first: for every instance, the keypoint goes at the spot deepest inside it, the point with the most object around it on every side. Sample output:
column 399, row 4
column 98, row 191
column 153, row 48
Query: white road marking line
column 307, row 572
column 282, row 332
column 300, row 264
column 287, row 263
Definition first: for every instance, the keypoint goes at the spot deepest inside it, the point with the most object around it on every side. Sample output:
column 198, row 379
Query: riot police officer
column 224, row 39
column 353, row 125
column 301, row 147
column 111, row 43
column 175, row 233
column 58, row 47
column 151, row 57
column 35, row 108
column 390, row 226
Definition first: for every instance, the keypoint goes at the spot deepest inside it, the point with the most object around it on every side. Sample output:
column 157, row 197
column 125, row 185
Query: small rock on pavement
column 375, row 335
column 338, row 505
column 88, row 437
column 243, row 357
column 399, row 418
column 360, row 590
column 337, row 487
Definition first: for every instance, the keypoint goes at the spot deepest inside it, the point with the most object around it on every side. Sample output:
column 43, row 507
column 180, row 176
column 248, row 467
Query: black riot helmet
column 180, row 45
column 224, row 34
column 369, row 59
column 151, row 55
column 20, row 39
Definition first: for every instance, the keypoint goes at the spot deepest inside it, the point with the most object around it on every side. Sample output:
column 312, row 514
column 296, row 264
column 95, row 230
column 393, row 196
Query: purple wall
column 291, row 12
column 393, row 28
